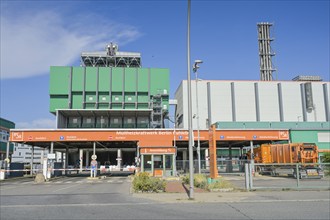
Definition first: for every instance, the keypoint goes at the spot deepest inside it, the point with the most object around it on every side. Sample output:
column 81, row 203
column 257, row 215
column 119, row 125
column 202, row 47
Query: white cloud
column 41, row 123
column 32, row 42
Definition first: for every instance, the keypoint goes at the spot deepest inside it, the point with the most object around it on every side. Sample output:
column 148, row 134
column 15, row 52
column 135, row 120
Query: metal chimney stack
column 265, row 52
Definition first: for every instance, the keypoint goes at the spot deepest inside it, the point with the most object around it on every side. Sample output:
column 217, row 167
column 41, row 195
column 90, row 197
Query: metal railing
column 287, row 176
column 224, row 166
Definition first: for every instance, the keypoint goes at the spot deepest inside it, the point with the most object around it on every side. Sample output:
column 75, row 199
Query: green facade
column 272, row 125
column 310, row 136
column 300, row 132
column 5, row 126
column 106, row 87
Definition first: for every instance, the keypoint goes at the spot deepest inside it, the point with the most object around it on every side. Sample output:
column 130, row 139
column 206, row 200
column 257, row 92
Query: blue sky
column 39, row 34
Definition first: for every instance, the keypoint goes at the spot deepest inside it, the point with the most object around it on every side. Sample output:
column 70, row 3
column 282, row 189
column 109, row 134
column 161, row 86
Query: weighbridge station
column 150, row 150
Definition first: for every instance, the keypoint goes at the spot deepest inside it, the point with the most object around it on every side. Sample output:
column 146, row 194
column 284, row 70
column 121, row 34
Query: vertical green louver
column 106, row 87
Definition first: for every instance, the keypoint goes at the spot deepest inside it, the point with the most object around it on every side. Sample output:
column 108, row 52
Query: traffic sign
column 94, row 157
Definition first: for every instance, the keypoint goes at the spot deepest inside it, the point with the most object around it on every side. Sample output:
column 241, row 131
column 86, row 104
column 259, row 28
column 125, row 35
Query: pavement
column 176, row 192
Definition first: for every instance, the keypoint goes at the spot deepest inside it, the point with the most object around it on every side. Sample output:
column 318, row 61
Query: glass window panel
column 158, row 161
column 147, row 162
column 168, row 161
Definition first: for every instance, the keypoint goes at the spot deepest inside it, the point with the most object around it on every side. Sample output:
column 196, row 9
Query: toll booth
column 158, row 161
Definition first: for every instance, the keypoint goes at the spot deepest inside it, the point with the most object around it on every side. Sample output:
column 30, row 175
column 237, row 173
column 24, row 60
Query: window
column 168, row 161
column 158, row 161
column 147, row 162
column 180, row 119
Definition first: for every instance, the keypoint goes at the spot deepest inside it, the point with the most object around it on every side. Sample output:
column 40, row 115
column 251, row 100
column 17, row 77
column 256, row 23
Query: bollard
column 297, row 174
column 251, row 170
column 247, row 177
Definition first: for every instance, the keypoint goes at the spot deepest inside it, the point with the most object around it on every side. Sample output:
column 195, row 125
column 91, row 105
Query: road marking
column 65, row 188
column 26, row 183
column 75, row 205
column 153, row 203
column 2, row 188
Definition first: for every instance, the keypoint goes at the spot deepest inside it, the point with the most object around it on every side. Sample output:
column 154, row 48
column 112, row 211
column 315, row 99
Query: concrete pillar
column 81, row 154
column 7, row 158
column 207, row 159
column 42, row 156
column 184, row 159
column 229, row 166
column 7, row 150
column 66, row 160
column 52, row 147
column 87, row 158
column 119, row 158
column 31, row 164
column 45, row 167
column 252, row 158
column 94, row 148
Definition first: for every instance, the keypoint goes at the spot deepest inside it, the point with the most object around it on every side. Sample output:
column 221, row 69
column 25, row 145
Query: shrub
column 143, row 182
column 200, row 180
column 326, row 159
column 220, row 184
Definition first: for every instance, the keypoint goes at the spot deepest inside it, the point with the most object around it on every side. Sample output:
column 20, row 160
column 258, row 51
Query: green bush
column 326, row 159
column 200, row 181
column 143, row 182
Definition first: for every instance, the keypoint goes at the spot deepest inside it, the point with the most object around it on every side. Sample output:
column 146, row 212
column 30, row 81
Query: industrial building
column 5, row 126
column 256, row 105
column 114, row 108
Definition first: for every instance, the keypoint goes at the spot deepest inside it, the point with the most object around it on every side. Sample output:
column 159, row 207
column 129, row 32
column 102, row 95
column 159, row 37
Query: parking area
column 66, row 185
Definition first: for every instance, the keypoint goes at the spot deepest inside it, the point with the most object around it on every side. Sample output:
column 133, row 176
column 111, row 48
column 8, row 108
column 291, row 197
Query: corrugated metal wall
column 253, row 101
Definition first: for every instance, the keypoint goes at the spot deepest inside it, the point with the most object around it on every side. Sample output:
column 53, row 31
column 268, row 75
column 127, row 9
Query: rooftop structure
column 111, row 57
column 307, row 78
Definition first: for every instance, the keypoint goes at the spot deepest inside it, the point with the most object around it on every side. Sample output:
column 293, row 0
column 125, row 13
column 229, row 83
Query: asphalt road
column 110, row 198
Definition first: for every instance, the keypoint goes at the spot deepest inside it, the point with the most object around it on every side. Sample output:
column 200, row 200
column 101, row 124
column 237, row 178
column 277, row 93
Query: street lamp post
column 191, row 140
column 195, row 68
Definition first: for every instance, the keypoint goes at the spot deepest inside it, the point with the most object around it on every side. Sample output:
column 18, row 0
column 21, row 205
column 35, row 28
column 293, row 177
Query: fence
column 287, row 176
column 20, row 170
column 224, row 166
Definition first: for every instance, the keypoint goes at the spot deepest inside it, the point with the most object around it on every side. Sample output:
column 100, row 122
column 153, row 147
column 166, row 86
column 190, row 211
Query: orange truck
column 283, row 158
